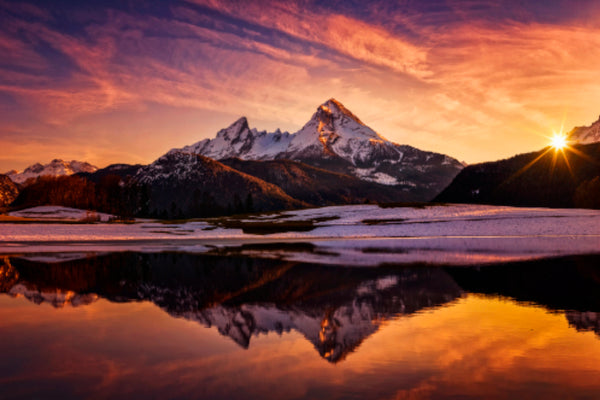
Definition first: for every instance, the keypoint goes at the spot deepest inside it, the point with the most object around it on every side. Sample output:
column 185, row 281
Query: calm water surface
column 178, row 326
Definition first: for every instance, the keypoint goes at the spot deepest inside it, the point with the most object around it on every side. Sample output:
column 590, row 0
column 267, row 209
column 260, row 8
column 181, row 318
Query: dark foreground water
column 164, row 326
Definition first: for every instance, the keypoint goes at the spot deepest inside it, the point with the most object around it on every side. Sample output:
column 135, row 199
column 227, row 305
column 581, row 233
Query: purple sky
column 125, row 81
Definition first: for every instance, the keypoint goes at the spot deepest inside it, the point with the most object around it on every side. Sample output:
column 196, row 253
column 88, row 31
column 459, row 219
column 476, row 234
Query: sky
column 127, row 80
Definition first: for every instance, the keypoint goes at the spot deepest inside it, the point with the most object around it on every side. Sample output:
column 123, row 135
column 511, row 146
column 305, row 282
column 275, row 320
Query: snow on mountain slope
column 586, row 134
column 56, row 167
column 334, row 131
column 238, row 140
column 336, row 139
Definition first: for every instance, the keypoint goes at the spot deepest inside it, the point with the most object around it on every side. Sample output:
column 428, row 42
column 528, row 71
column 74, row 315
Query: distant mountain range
column 334, row 159
column 56, row 167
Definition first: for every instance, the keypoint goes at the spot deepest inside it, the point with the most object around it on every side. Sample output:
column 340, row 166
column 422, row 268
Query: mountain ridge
column 202, row 185
column 585, row 134
column 56, row 167
column 335, row 139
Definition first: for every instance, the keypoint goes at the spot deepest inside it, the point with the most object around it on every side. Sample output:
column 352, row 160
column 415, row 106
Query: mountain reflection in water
column 334, row 308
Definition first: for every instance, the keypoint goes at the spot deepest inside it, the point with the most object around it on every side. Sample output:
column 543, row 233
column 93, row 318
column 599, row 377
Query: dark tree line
column 540, row 179
column 200, row 204
column 587, row 195
column 121, row 197
column 109, row 195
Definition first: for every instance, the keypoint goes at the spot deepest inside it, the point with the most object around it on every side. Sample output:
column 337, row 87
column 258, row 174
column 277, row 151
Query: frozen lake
column 363, row 235
column 362, row 302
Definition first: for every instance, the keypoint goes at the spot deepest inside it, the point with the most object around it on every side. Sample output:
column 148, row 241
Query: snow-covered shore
column 359, row 235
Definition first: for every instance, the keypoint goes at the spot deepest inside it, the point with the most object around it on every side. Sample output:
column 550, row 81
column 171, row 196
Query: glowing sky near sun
column 114, row 81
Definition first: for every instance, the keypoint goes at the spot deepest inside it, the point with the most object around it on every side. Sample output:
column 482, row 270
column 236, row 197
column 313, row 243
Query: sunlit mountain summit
column 337, row 140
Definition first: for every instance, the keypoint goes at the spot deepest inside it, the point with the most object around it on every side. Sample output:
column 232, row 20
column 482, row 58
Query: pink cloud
column 351, row 37
column 451, row 88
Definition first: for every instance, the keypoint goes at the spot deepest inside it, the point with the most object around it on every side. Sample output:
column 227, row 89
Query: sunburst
column 560, row 144
column 559, row 141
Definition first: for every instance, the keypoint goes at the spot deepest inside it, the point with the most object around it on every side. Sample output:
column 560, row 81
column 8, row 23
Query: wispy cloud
column 449, row 76
column 351, row 37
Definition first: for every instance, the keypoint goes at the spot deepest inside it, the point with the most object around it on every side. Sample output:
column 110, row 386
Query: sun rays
column 559, row 144
column 559, row 141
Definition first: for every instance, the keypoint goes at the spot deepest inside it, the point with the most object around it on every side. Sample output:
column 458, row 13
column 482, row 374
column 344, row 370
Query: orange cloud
column 452, row 87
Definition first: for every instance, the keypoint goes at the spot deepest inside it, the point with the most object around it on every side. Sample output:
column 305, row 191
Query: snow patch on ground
column 369, row 174
column 353, row 235
column 59, row 213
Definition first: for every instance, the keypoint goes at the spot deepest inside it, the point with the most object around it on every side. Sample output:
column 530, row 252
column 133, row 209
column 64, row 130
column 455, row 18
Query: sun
column 559, row 141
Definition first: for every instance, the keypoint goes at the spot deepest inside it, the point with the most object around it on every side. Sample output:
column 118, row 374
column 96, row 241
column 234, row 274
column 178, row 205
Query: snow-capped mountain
column 238, row 140
column 336, row 139
column 56, row 167
column 586, row 134
column 334, row 131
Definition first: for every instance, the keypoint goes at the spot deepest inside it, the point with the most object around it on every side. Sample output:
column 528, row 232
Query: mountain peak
column 234, row 130
column 336, row 139
column 335, row 108
column 241, row 121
